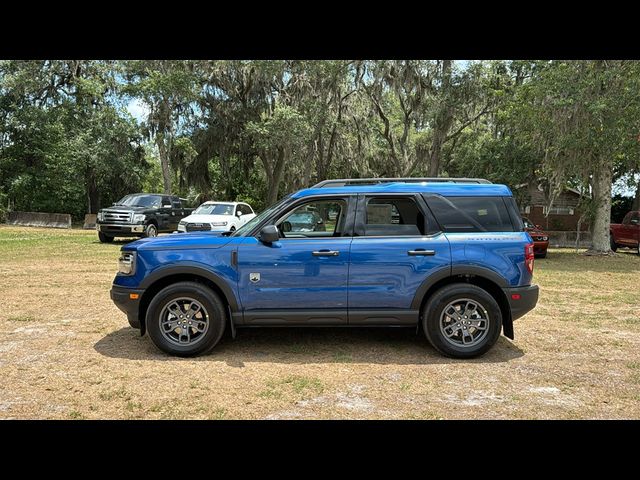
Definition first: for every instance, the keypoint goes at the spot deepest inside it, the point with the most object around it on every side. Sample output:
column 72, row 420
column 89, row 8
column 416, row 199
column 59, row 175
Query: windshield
column 247, row 227
column 214, row 209
column 140, row 201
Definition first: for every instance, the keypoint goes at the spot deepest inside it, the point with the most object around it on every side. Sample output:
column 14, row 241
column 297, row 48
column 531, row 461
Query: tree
column 168, row 89
column 583, row 117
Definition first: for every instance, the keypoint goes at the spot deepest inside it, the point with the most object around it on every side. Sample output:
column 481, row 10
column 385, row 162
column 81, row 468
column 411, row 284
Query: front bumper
column 521, row 299
column 120, row 229
column 121, row 296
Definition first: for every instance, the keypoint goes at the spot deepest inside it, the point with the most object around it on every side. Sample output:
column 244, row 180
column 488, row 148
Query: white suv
column 217, row 217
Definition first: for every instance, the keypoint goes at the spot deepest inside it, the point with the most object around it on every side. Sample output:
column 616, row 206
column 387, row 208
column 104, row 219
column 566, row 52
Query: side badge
column 254, row 277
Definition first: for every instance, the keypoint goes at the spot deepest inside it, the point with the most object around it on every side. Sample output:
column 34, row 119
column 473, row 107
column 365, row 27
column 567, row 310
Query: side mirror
column 269, row 234
column 238, row 214
column 538, row 227
column 113, row 204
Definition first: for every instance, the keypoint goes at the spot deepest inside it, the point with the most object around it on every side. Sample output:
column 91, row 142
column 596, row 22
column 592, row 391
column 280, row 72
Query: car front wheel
column 462, row 320
column 151, row 231
column 614, row 245
column 186, row 319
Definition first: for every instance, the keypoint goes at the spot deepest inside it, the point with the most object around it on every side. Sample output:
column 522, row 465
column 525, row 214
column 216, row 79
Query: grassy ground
column 67, row 352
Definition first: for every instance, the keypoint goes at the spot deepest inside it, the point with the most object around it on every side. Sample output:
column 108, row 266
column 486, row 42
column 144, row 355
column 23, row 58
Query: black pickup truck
column 141, row 215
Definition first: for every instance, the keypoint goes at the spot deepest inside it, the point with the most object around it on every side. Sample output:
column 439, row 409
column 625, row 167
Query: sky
column 138, row 109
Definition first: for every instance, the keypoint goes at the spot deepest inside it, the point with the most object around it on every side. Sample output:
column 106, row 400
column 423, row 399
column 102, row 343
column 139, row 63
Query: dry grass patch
column 67, row 352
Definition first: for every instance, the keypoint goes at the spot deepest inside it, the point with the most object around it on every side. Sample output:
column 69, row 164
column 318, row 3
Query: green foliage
column 620, row 206
column 255, row 130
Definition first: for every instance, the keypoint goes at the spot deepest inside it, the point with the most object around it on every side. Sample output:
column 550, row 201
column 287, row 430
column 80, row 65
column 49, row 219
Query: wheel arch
column 480, row 277
column 166, row 276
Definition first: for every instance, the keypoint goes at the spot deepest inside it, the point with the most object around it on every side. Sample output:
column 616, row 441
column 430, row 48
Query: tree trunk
column 602, row 177
column 443, row 122
column 164, row 163
column 636, row 201
column 274, row 174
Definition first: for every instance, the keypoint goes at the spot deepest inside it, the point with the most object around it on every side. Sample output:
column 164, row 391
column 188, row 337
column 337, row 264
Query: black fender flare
column 463, row 270
column 193, row 268
column 454, row 271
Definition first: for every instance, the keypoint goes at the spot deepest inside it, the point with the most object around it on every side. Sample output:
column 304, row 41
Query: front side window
column 214, row 209
column 386, row 216
column 320, row 218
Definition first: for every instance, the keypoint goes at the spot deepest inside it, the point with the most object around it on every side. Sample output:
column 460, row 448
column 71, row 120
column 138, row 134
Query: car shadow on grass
column 397, row 346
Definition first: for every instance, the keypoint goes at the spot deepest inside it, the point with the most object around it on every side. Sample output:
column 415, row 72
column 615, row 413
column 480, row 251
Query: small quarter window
column 471, row 214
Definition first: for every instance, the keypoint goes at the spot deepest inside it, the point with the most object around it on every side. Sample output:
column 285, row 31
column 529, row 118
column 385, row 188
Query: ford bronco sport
column 448, row 255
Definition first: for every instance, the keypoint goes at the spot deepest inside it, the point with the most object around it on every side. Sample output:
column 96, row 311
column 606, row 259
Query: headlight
column 139, row 217
column 182, row 223
column 545, row 239
column 218, row 224
column 127, row 263
column 100, row 216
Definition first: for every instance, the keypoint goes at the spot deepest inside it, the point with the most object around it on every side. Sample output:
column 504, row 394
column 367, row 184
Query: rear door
column 397, row 245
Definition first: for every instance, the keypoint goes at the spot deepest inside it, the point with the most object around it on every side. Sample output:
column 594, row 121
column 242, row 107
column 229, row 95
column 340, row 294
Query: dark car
column 458, row 265
column 539, row 236
column 141, row 215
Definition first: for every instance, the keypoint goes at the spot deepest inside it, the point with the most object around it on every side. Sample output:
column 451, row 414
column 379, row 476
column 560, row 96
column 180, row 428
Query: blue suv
column 448, row 255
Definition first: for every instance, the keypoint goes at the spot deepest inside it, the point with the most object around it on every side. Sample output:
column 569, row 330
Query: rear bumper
column 120, row 229
column 521, row 299
column 121, row 296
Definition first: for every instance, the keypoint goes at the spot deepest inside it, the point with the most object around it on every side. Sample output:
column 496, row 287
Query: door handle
column 325, row 253
column 421, row 252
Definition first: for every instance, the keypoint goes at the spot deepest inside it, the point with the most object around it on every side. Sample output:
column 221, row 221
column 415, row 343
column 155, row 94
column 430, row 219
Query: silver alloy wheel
column 184, row 321
column 152, row 231
column 464, row 323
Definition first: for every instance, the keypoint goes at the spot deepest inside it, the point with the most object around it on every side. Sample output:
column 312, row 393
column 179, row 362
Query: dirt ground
column 67, row 352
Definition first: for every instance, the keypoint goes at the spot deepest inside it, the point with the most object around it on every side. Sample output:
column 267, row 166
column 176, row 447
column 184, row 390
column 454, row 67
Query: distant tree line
column 255, row 130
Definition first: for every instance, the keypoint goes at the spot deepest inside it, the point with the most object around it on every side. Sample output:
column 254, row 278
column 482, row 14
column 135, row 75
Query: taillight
column 528, row 257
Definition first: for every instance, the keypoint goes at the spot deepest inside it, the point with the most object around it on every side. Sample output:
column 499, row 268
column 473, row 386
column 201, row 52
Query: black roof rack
column 373, row 181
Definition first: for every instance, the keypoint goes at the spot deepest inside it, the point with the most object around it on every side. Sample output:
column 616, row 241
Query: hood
column 180, row 241
column 207, row 218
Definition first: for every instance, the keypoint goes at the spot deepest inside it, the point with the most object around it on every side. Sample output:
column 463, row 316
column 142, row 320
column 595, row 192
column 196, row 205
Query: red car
column 540, row 238
column 627, row 233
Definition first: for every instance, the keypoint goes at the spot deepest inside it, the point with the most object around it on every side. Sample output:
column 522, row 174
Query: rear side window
column 471, row 214
column 385, row 216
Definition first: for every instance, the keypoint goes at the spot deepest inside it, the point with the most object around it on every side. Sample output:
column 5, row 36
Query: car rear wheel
column 104, row 238
column 151, row 231
column 462, row 320
column 186, row 319
column 614, row 245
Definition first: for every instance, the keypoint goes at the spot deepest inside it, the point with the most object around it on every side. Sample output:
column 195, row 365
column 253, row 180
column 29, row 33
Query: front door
column 302, row 278
column 398, row 245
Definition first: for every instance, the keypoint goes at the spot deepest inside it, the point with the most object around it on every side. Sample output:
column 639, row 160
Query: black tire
column 232, row 229
column 215, row 311
column 104, row 238
column 614, row 245
column 435, row 307
column 151, row 231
